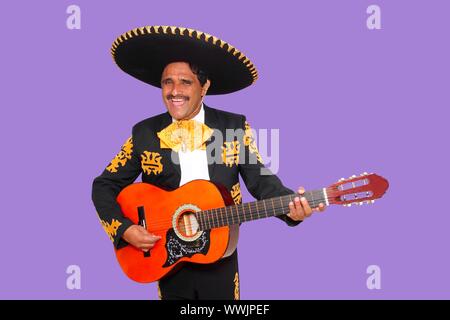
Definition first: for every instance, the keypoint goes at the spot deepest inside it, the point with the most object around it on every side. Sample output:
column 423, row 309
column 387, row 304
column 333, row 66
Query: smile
column 178, row 102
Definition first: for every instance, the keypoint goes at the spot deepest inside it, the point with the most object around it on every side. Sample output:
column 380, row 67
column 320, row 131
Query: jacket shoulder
column 150, row 123
column 227, row 114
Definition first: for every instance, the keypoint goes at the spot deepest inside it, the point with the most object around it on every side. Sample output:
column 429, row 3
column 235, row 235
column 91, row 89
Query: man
column 187, row 65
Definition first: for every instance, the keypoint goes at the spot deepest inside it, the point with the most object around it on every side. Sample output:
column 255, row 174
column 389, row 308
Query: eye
column 186, row 82
column 166, row 81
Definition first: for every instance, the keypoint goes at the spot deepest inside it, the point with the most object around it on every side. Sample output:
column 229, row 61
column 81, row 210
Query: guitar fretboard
column 236, row 214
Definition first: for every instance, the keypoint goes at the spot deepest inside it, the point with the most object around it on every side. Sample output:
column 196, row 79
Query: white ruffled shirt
column 194, row 164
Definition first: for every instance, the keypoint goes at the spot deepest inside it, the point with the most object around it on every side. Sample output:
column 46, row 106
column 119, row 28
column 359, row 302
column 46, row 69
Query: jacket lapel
column 212, row 121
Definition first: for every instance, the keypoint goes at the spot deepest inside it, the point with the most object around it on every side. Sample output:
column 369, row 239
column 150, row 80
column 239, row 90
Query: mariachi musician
column 187, row 65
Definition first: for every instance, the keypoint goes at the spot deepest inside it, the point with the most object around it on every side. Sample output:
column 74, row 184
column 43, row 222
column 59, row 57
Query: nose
column 175, row 90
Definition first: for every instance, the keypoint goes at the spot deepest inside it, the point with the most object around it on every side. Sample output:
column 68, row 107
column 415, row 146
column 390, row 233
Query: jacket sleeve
column 121, row 171
column 259, row 180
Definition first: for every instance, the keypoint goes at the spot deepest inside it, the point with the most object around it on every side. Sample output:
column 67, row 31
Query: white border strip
column 324, row 190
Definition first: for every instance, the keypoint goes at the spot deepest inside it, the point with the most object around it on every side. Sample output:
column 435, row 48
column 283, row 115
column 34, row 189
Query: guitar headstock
column 361, row 189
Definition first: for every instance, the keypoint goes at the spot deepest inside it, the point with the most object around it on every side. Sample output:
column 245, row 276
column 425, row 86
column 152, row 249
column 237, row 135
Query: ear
column 205, row 87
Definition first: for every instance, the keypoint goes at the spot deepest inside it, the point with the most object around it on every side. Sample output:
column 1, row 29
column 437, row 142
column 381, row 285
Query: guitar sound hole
column 187, row 224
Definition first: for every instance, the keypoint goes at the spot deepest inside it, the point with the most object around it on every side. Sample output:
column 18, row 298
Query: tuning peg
column 341, row 179
column 372, row 201
column 365, row 173
column 353, row 176
column 361, row 203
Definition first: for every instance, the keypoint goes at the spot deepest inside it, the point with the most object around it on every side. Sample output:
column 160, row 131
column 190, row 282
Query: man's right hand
column 139, row 237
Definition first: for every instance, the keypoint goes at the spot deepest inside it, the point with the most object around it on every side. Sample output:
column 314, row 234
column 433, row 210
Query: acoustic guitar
column 199, row 223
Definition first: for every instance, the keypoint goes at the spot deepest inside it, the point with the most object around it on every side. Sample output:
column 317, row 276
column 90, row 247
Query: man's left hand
column 299, row 209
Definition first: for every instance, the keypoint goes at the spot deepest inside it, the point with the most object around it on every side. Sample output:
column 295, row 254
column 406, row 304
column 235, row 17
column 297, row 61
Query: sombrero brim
column 144, row 52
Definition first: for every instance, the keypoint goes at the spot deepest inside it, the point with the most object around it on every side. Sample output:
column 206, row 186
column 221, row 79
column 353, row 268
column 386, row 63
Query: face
column 181, row 90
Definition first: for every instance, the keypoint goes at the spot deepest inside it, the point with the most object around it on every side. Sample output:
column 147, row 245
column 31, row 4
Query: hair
column 201, row 74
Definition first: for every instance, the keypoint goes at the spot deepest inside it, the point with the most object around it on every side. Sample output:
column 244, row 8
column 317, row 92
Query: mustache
column 169, row 97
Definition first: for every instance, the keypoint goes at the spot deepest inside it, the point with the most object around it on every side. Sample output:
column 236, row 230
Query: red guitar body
column 169, row 214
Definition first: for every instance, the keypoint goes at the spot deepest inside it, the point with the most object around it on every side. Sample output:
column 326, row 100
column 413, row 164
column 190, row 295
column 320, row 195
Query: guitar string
column 312, row 203
column 255, row 205
column 162, row 225
column 211, row 223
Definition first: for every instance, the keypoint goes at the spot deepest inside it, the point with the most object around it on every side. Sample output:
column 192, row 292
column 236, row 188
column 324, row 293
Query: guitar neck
column 236, row 214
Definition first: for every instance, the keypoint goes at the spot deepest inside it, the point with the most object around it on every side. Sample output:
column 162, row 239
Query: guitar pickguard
column 177, row 248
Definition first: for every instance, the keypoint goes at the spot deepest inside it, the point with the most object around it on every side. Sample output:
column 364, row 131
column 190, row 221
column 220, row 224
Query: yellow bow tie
column 185, row 135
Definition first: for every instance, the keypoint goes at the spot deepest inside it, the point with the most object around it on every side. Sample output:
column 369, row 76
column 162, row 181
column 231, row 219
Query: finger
column 299, row 213
column 306, row 208
column 146, row 247
column 150, row 239
column 298, row 205
column 321, row 207
column 291, row 210
column 145, row 232
column 296, row 211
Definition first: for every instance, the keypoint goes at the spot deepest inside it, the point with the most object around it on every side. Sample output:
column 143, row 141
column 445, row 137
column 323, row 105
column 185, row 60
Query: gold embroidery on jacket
column 111, row 229
column 151, row 163
column 159, row 292
column 230, row 153
column 249, row 141
column 236, row 287
column 236, row 193
column 122, row 157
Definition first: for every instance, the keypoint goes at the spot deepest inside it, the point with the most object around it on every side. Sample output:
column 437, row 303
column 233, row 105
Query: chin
column 177, row 115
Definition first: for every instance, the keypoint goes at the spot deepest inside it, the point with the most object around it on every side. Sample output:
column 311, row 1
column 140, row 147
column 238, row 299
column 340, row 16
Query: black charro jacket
column 142, row 154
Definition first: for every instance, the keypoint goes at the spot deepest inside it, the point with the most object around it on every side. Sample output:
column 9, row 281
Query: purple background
column 346, row 100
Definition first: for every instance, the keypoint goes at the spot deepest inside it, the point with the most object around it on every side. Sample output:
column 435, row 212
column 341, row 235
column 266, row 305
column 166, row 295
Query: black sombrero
column 144, row 52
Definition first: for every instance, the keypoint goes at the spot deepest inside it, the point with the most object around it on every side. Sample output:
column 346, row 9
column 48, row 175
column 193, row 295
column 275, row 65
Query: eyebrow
column 182, row 79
